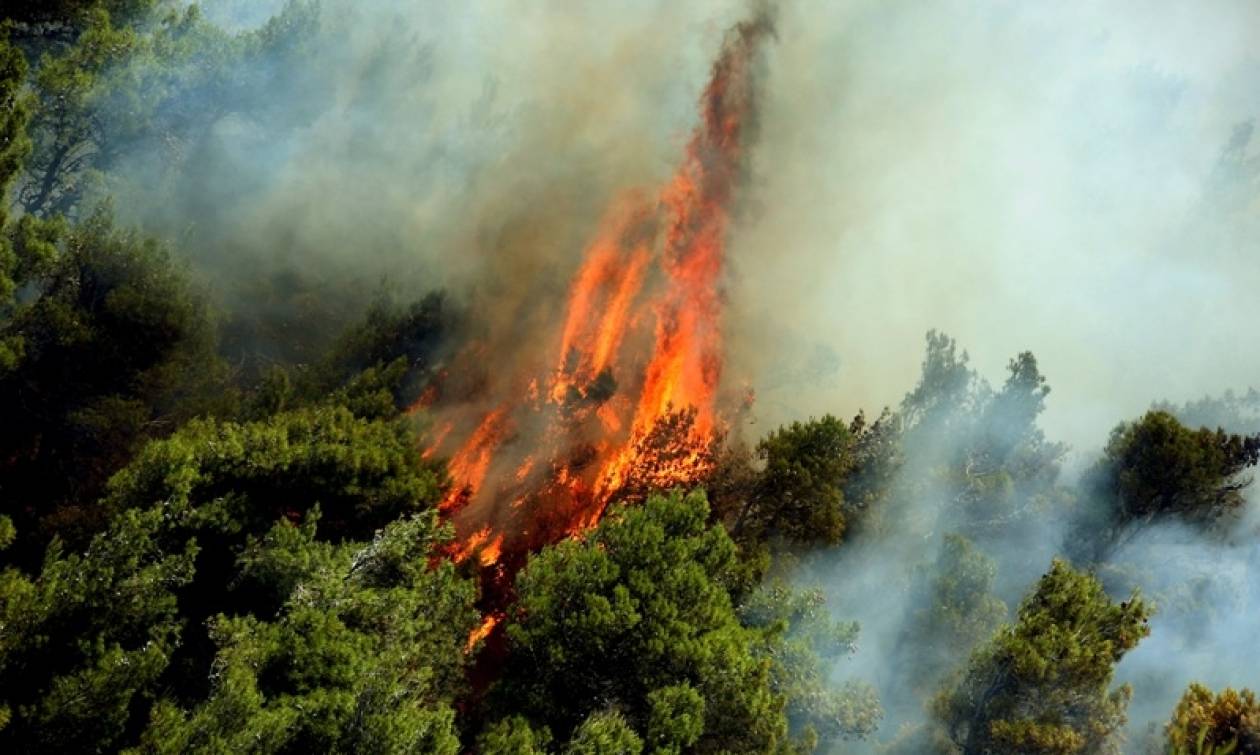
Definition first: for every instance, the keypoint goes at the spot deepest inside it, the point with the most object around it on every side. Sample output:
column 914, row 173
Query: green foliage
column 1009, row 419
column 55, row 18
column 1009, row 433
column 226, row 484
column 273, row 583
column 641, row 606
column 675, row 718
column 1008, row 469
column 319, row 647
column 271, row 567
column 134, row 79
column 800, row 495
column 814, row 476
column 376, row 368
column 365, row 656
column 374, row 393
column 115, row 347
column 604, row 733
column 976, row 450
column 948, row 392
column 807, row 484
column 85, row 641
column 15, row 112
column 513, row 736
column 1156, row 467
column 390, row 333
column 877, row 460
column 241, row 477
column 7, row 532
column 1042, row 684
column 805, row 643
column 954, row 610
column 1204, row 723
column 67, row 127
column 15, row 145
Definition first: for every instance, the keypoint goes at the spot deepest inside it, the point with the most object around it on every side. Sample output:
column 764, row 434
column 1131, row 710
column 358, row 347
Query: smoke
column 923, row 605
column 1070, row 178
column 1077, row 179
column 1021, row 176
column 1057, row 178
column 472, row 148
column 1208, row 616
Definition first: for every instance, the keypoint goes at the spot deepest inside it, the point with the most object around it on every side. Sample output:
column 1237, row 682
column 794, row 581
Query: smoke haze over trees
column 415, row 377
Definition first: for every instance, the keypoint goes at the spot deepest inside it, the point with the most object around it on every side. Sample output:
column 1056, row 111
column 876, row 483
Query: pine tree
column 1043, row 684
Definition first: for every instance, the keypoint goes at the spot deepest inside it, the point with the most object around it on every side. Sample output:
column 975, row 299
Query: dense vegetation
column 206, row 550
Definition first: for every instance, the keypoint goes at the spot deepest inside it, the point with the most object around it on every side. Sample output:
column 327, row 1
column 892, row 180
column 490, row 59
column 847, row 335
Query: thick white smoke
column 1041, row 176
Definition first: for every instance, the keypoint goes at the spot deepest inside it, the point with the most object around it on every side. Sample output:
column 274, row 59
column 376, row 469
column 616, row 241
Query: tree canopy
column 637, row 618
column 1043, row 684
column 113, row 348
column 1208, row 723
column 1157, row 468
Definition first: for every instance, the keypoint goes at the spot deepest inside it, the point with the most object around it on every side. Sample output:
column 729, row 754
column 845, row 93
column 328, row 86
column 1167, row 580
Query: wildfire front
column 629, row 398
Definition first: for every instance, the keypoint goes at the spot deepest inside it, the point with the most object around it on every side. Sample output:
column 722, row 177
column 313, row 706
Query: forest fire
column 630, row 400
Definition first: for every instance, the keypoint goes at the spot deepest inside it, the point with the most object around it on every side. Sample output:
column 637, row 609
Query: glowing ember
column 630, row 402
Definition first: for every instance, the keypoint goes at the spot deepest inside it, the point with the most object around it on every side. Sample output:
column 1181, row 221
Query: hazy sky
column 1021, row 175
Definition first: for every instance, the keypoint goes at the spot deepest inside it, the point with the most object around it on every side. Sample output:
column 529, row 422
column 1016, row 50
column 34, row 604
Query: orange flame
column 483, row 631
column 631, row 401
column 468, row 467
column 490, row 553
column 438, row 437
